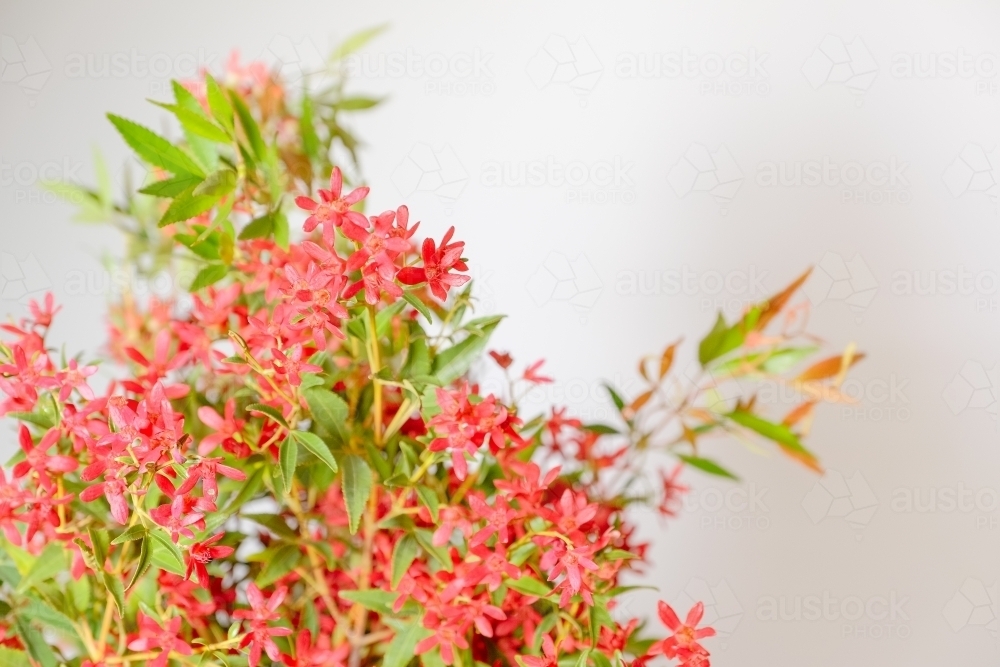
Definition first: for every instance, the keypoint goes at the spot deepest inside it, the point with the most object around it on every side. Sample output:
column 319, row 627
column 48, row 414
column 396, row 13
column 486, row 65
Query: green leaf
column 249, row 125
column 37, row 610
column 317, row 447
column 454, row 362
column 310, row 142
column 356, row 41
column 37, row 647
column 209, row 275
column 281, row 562
column 779, row 433
column 218, row 104
column 421, row 307
column 200, row 125
column 136, row 532
column 13, row 658
column 529, row 586
column 615, row 397
column 403, row 555
column 430, row 500
column 142, row 564
column 186, row 206
column 171, row 187
column 706, row 465
column 375, row 599
column 166, row 555
column 426, row 540
column 258, row 228
column 275, row 524
column 355, row 103
column 288, row 456
column 600, row 429
column 49, row 563
column 248, row 490
column 220, row 182
column 618, row 554
column 329, row 410
column 520, row 555
column 100, row 539
column 601, row 660
column 432, row 658
column 399, row 653
column 116, row 590
column 36, row 418
column 357, row 488
column 376, row 459
column 281, row 230
column 721, row 340
column 269, row 411
column 154, row 149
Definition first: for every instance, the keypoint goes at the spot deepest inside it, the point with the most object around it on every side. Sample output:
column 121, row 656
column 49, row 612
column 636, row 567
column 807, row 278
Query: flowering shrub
column 294, row 467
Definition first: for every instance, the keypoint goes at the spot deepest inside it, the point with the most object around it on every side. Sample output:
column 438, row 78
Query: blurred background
column 621, row 172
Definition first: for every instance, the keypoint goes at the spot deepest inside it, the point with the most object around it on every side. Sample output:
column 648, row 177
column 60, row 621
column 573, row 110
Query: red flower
column 497, row 518
column 319, row 654
column 176, row 518
column 207, row 470
column 572, row 513
column 493, row 566
column 437, row 262
column 375, row 279
column 114, row 490
column 571, row 561
column 333, row 210
column 503, row 359
column 672, row 491
column 75, row 377
column 291, row 367
column 203, row 552
column 531, row 373
column 380, row 246
column 152, row 637
column 39, row 460
column 448, row 633
column 226, row 428
column 683, row 644
column 549, row 659
column 261, row 613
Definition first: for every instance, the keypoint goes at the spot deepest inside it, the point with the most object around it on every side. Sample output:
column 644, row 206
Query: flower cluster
column 293, row 465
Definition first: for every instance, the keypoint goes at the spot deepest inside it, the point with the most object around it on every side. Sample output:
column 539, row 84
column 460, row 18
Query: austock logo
column 702, row 170
column 563, row 63
column 295, row 60
column 839, row 63
column 975, row 387
column 24, row 65
column 438, row 172
column 975, row 171
column 723, row 610
column 974, row 605
column 587, row 182
column 561, row 279
column 836, row 497
column 728, row 508
column 837, row 279
column 732, row 74
column 876, row 617
column 453, row 74
column 22, row 279
column 874, row 182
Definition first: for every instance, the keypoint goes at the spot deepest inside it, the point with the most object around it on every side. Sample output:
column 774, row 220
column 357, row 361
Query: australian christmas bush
column 292, row 464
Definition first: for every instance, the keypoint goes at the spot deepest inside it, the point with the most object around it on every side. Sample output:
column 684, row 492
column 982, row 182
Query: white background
column 504, row 90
